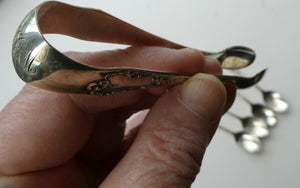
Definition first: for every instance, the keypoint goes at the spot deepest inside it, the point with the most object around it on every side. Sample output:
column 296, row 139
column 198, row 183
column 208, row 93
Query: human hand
column 58, row 140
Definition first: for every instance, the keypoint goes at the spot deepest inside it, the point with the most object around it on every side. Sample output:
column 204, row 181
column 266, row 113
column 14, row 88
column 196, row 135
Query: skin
column 50, row 139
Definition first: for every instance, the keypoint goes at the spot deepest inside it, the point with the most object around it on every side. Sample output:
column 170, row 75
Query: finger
column 40, row 129
column 171, row 142
column 105, row 138
column 212, row 66
column 67, row 175
column 136, row 120
column 48, row 129
column 153, row 58
column 145, row 57
column 188, row 61
column 133, row 123
column 132, row 127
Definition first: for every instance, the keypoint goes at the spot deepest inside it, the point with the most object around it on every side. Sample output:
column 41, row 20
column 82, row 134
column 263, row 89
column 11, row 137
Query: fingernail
column 205, row 96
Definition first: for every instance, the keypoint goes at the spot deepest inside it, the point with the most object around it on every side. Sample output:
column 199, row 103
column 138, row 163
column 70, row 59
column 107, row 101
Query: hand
column 58, row 140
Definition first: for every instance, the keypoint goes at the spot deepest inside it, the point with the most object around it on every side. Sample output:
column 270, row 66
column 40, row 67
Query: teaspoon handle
column 245, row 99
column 226, row 130
column 233, row 115
column 117, row 80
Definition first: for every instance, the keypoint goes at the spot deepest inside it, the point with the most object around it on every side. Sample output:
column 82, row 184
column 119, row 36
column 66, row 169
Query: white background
column 271, row 27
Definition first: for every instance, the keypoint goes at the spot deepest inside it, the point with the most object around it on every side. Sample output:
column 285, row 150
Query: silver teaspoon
column 235, row 57
column 253, row 125
column 263, row 112
column 274, row 100
column 248, row 142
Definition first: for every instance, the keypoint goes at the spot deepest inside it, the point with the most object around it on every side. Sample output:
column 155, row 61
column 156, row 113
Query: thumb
column 171, row 142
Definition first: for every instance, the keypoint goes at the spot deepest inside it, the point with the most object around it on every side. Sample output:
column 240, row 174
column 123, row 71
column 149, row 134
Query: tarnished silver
column 249, row 142
column 40, row 64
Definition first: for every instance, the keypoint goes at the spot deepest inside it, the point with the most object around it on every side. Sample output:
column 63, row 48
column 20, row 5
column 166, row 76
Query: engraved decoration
column 126, row 80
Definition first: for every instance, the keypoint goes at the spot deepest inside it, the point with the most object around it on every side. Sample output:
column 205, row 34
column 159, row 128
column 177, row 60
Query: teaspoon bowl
column 253, row 125
column 247, row 141
column 266, row 114
column 274, row 101
column 235, row 57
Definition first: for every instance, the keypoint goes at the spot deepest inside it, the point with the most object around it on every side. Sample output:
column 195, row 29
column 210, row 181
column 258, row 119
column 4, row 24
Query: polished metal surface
column 274, row 101
column 40, row 64
column 235, row 57
column 267, row 114
column 263, row 112
column 249, row 142
column 253, row 125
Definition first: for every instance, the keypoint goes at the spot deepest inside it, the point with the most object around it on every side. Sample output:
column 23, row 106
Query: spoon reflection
column 235, row 57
